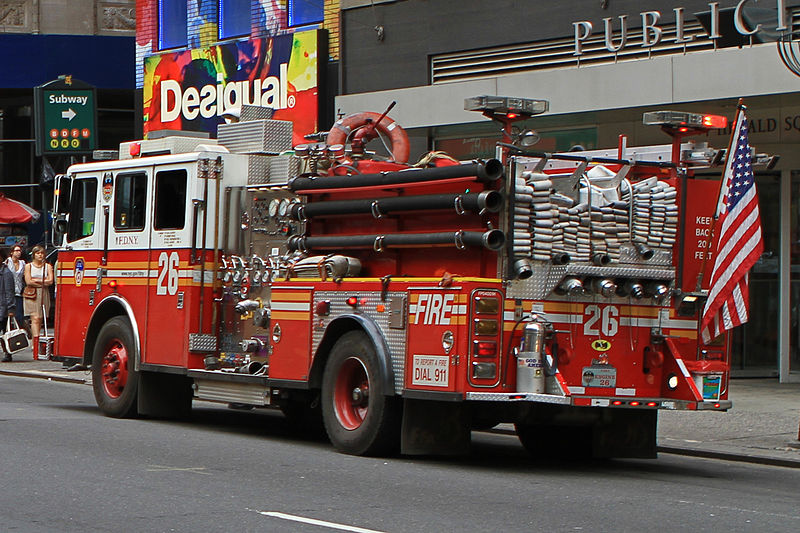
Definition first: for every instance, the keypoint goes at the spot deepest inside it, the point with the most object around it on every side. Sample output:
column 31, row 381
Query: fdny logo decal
column 601, row 345
column 79, row 266
column 108, row 186
column 433, row 309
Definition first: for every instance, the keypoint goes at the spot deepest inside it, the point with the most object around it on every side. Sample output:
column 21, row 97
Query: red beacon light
column 134, row 149
column 113, row 284
column 352, row 301
column 715, row 121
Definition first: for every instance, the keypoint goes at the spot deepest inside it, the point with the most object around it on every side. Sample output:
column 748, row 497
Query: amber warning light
column 684, row 121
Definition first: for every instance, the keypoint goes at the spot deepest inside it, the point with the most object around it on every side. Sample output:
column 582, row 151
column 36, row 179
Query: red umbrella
column 14, row 212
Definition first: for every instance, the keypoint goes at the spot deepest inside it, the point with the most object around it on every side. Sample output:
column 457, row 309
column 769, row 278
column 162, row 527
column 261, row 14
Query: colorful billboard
column 191, row 90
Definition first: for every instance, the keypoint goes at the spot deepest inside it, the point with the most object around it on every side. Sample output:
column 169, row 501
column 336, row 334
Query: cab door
column 125, row 229
column 79, row 258
column 171, row 285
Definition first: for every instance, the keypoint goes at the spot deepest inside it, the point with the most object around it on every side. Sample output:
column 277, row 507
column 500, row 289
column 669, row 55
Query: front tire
column 359, row 417
column 114, row 379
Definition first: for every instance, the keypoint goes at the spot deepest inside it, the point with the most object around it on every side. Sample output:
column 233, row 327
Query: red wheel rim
column 114, row 369
column 351, row 394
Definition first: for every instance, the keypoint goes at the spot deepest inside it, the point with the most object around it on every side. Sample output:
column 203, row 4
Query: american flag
column 738, row 239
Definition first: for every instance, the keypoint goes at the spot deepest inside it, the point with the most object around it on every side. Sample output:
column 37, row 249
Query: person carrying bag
column 17, row 267
column 7, row 300
column 38, row 277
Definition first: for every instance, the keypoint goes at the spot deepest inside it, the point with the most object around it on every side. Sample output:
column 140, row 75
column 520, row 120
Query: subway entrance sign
column 66, row 117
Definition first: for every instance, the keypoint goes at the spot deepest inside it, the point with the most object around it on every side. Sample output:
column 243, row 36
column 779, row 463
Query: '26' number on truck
column 167, row 273
column 607, row 318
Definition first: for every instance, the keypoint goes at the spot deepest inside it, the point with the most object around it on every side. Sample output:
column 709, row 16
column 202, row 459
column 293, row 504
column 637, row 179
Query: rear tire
column 114, row 380
column 359, row 417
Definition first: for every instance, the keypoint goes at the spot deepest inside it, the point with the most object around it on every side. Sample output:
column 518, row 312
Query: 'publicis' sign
column 192, row 90
column 652, row 33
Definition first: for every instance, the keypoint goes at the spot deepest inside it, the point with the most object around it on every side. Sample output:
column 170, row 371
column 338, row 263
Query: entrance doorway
column 755, row 344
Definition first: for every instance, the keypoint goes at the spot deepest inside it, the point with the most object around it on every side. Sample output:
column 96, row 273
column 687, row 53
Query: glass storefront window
column 234, row 18
column 755, row 344
column 794, row 278
column 171, row 24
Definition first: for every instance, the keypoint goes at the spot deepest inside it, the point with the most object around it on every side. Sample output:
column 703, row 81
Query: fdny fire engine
column 401, row 305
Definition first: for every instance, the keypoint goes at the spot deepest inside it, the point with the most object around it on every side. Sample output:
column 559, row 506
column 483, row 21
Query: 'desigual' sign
column 191, row 90
column 652, row 33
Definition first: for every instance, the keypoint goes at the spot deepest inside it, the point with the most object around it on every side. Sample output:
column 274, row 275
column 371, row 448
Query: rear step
column 230, row 387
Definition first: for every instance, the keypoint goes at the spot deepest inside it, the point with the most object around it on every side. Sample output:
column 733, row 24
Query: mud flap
column 164, row 395
column 434, row 428
column 625, row 433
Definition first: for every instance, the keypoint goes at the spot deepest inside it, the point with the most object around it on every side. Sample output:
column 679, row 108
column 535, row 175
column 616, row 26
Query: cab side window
column 170, row 199
column 82, row 209
column 130, row 194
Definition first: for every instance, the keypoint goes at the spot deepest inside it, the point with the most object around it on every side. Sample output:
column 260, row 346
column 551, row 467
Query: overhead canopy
column 14, row 212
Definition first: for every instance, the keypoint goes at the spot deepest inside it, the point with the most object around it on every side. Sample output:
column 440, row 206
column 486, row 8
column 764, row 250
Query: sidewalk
column 761, row 428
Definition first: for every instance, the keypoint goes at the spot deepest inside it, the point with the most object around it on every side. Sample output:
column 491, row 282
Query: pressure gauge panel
column 273, row 207
column 283, row 208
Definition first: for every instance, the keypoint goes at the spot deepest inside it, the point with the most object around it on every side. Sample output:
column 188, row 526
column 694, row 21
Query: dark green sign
column 66, row 117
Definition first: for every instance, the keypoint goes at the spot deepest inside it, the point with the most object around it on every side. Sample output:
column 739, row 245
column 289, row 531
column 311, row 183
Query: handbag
column 29, row 292
column 14, row 340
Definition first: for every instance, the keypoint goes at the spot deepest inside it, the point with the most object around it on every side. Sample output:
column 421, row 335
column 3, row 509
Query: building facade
column 87, row 40
column 601, row 65
column 197, row 60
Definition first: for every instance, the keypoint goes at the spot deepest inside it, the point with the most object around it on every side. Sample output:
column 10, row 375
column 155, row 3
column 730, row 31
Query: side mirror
column 59, row 229
column 61, row 194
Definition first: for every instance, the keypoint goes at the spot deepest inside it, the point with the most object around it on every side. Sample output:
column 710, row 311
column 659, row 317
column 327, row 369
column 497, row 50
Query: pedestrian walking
column 16, row 264
column 38, row 278
column 7, row 300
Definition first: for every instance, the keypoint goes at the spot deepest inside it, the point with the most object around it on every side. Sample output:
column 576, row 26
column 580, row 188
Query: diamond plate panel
column 661, row 257
column 395, row 338
column 202, row 342
column 517, row 397
column 258, row 169
column 255, row 112
column 174, row 144
column 283, row 167
column 256, row 136
column 546, row 277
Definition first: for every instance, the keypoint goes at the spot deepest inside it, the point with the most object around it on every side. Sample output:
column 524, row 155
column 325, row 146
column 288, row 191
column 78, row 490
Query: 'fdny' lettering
column 127, row 240
column 434, row 309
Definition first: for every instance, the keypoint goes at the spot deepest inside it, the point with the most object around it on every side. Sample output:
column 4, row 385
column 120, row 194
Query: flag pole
column 740, row 108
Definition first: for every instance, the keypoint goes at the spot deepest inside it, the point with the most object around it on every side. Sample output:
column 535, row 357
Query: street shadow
column 496, row 452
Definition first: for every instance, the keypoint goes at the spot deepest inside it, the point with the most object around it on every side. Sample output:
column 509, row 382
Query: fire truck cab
column 403, row 305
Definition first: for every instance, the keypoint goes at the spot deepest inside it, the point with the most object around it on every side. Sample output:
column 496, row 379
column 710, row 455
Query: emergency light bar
column 506, row 105
column 682, row 119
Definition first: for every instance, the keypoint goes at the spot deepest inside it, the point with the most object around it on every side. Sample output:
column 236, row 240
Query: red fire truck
column 400, row 305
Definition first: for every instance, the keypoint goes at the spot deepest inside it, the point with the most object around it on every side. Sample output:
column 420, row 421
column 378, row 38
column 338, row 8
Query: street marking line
column 193, row 469
column 315, row 522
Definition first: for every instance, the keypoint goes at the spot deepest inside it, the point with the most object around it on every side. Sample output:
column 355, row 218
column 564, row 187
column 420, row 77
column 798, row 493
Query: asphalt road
column 65, row 467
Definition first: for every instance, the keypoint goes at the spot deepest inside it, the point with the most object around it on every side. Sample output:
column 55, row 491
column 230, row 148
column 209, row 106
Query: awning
column 14, row 212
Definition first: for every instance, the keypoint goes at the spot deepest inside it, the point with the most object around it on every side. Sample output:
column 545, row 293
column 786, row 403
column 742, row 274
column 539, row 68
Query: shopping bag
column 15, row 338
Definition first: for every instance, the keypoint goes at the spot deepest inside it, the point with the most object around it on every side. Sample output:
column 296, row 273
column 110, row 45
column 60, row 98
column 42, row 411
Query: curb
column 707, row 454
column 727, row 456
column 42, row 375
